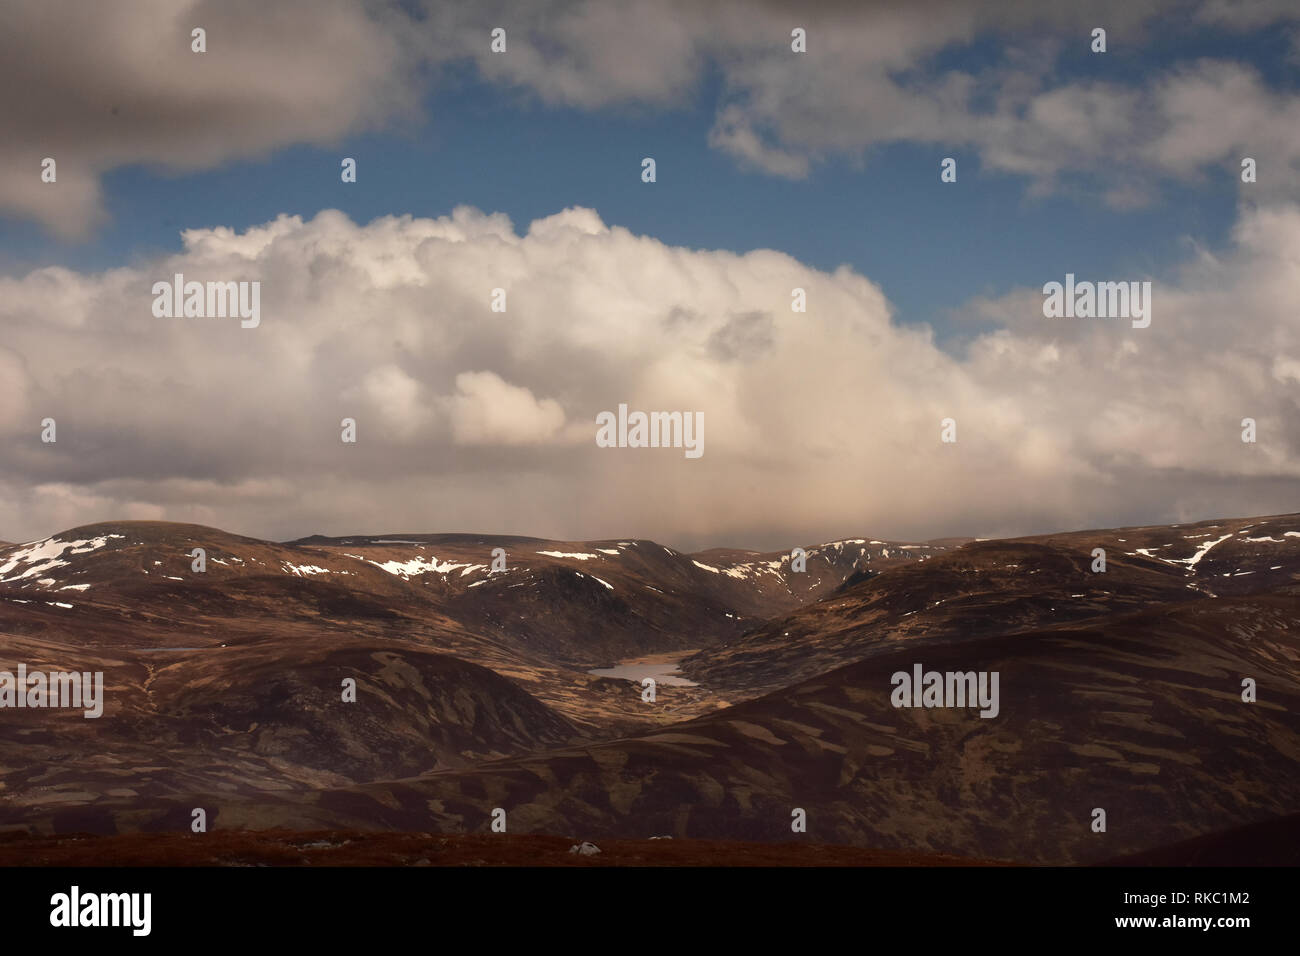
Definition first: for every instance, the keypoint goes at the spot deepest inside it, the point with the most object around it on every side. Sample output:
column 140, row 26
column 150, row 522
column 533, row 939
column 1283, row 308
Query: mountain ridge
column 1121, row 689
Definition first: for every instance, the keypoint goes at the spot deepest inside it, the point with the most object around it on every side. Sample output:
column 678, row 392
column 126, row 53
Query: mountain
column 1140, row 716
column 1006, row 586
column 557, row 610
column 1119, row 689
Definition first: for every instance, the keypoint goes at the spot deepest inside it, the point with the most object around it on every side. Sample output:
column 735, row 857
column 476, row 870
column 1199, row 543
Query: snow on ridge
column 740, row 571
column 417, row 566
column 1201, row 552
column 613, row 551
column 302, row 570
column 579, row 555
column 756, row 567
column 43, row 556
column 841, row 544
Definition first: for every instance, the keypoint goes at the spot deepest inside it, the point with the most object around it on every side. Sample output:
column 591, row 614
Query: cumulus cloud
column 818, row 424
column 488, row 410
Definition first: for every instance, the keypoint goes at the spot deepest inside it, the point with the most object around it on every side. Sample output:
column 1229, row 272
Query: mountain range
column 473, row 656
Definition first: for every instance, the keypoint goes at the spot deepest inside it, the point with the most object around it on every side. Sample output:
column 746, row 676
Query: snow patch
column 302, row 570
column 43, row 556
column 1201, row 552
column 417, row 566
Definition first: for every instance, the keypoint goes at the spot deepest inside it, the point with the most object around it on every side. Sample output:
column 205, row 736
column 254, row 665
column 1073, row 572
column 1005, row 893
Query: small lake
column 662, row 667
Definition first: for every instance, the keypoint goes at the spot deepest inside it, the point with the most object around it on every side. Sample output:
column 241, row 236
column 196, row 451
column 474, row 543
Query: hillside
column 1119, row 690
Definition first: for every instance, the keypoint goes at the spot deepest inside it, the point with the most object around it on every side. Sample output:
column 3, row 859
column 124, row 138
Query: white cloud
column 870, row 78
column 395, row 399
column 101, row 86
column 818, row 424
column 488, row 410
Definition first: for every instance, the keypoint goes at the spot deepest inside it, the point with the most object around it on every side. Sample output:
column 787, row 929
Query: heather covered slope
column 237, row 720
column 1005, row 586
column 1141, row 716
column 569, row 602
column 1118, row 690
column 556, row 611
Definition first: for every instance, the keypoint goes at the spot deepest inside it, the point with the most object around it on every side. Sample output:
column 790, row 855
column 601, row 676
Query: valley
column 521, row 689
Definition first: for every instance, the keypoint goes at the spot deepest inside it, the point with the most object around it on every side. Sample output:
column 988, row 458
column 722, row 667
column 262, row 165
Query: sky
column 522, row 170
